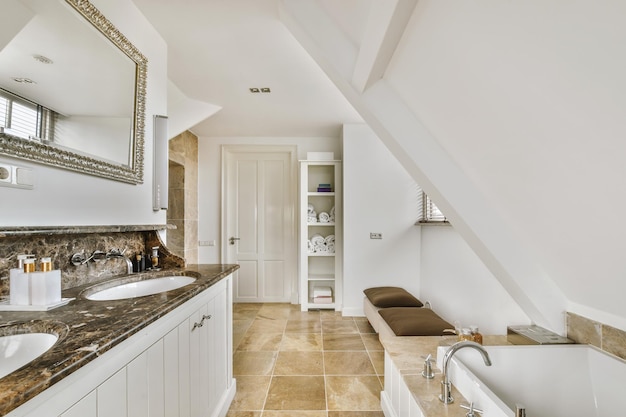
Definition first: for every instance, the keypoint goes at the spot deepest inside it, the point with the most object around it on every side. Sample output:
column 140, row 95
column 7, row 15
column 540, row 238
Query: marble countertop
column 87, row 329
column 408, row 353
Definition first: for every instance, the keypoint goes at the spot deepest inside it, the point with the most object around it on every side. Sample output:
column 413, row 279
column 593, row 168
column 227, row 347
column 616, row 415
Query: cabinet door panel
column 86, row 407
column 171, row 372
column 112, row 396
column 184, row 370
column 137, row 382
column 156, row 392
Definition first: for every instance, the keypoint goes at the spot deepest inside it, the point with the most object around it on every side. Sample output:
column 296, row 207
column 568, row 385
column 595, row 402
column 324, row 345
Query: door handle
column 232, row 240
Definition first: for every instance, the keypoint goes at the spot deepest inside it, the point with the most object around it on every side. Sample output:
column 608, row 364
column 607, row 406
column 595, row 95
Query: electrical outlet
column 376, row 235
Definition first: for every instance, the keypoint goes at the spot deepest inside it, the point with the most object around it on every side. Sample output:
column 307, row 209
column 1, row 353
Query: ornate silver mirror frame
column 14, row 146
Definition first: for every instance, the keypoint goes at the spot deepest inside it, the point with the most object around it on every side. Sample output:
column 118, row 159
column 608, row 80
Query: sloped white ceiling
column 218, row 49
column 511, row 116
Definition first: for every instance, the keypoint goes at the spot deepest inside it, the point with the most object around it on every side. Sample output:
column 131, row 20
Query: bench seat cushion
column 383, row 297
column 411, row 321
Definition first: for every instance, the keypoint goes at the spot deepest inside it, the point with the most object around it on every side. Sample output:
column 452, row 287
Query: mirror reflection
column 71, row 89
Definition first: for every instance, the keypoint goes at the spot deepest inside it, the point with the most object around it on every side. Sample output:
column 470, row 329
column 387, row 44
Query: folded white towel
column 329, row 238
column 324, row 217
column 310, row 247
column 332, row 214
column 317, row 239
column 311, row 208
column 322, row 291
column 311, row 219
column 330, row 247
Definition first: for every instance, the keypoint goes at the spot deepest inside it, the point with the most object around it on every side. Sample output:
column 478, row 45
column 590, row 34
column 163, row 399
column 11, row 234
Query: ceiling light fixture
column 260, row 90
column 22, row 80
column 43, row 59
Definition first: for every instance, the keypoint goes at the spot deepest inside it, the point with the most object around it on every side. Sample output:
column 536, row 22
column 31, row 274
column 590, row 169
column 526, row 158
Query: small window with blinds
column 429, row 212
column 23, row 118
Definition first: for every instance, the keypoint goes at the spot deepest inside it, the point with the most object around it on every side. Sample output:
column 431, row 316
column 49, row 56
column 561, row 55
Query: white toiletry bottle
column 18, row 283
column 22, row 288
column 45, row 284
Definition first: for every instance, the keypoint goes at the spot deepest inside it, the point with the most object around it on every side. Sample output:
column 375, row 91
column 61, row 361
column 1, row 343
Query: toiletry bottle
column 45, row 264
column 18, row 284
column 142, row 262
column 45, row 284
column 476, row 335
column 155, row 257
column 466, row 335
column 136, row 263
column 23, row 286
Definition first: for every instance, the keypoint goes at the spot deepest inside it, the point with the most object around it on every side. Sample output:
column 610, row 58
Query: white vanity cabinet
column 180, row 365
column 396, row 399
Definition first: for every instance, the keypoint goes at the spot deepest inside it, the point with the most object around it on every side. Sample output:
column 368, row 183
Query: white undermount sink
column 141, row 288
column 19, row 349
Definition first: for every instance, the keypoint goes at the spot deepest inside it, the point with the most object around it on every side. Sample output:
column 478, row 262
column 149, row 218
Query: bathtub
column 548, row 380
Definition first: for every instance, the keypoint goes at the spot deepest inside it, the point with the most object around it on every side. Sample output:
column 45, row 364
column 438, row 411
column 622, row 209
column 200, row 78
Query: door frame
column 290, row 247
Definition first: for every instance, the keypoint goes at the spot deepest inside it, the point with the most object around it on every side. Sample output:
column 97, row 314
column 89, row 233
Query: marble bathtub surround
column 60, row 243
column 305, row 364
column 407, row 354
column 92, row 328
column 605, row 337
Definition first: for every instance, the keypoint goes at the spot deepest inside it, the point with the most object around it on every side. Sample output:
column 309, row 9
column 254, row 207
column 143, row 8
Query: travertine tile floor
column 290, row 363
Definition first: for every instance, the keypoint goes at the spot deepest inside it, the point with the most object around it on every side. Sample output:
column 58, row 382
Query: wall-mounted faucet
column 116, row 253
column 446, row 389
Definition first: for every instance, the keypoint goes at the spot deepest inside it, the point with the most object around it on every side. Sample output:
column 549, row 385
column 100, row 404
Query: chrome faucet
column 446, row 389
column 116, row 253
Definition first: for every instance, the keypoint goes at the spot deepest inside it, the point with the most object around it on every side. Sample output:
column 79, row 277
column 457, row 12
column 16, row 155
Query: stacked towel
column 322, row 295
column 311, row 214
column 324, row 217
column 320, row 244
column 332, row 214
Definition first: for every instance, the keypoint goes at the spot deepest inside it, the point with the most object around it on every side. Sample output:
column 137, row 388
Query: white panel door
column 259, row 213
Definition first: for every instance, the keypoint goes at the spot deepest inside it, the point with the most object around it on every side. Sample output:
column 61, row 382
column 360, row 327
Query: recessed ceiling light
column 254, row 90
column 23, row 80
column 43, row 59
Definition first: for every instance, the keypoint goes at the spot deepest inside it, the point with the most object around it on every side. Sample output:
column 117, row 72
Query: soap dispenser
column 19, row 283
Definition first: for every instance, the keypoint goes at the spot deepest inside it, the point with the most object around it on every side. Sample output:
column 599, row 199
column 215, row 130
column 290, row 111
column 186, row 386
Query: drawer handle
column 206, row 317
column 195, row 325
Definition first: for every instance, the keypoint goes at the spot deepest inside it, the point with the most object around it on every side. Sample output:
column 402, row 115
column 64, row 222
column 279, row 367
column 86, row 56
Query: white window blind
column 23, row 118
column 428, row 211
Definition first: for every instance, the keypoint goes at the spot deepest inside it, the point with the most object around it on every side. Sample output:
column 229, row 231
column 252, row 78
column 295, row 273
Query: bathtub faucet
column 446, row 389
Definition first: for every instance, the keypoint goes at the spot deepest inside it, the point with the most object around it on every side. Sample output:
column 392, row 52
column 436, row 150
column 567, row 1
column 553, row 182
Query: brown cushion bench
column 411, row 321
column 395, row 311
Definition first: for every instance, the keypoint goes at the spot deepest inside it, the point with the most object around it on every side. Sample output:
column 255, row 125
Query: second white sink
column 19, row 349
column 141, row 288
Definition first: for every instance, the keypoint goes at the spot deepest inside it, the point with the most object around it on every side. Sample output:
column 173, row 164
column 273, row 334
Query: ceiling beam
column 387, row 22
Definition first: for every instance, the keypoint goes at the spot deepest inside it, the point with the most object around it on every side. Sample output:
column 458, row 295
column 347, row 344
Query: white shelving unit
column 320, row 265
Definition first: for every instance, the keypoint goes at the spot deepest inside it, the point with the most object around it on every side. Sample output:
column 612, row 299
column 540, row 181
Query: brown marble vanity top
column 87, row 329
column 408, row 353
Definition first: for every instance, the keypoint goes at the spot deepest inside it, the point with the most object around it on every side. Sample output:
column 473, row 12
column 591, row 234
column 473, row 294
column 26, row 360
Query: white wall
column 432, row 262
column 209, row 181
column 459, row 285
column 378, row 196
column 62, row 197
column 528, row 98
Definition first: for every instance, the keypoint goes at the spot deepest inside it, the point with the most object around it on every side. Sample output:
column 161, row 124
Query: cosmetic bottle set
column 143, row 263
column 28, row 286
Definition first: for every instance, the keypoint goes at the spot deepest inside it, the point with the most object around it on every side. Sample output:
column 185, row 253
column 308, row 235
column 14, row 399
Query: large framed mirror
column 80, row 85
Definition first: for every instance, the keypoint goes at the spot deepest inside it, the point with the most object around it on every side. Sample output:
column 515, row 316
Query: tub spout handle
column 520, row 410
column 471, row 410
